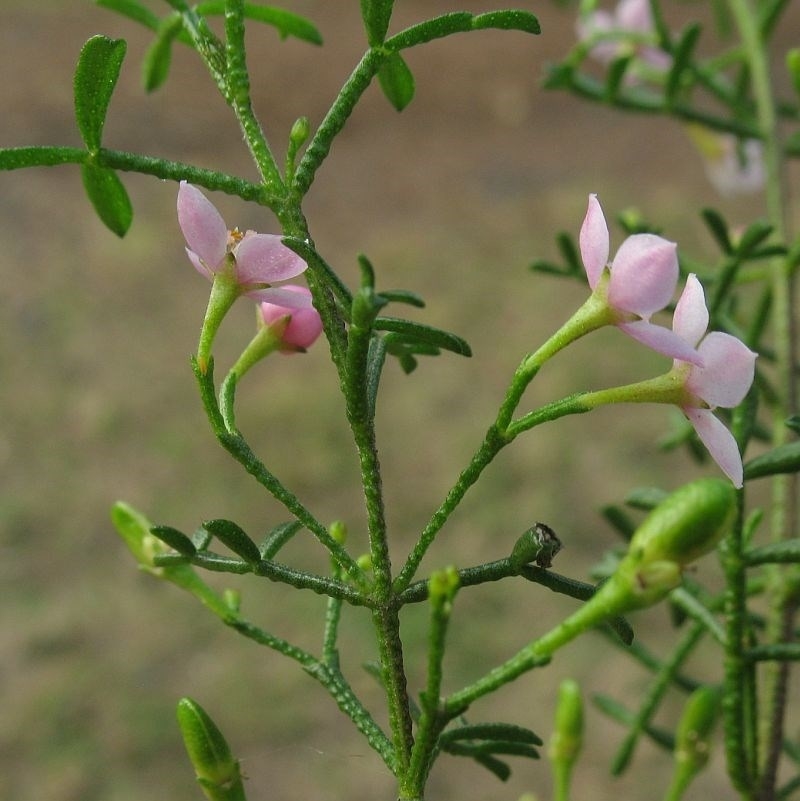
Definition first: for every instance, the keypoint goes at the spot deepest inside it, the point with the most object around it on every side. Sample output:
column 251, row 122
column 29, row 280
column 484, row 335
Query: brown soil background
column 453, row 199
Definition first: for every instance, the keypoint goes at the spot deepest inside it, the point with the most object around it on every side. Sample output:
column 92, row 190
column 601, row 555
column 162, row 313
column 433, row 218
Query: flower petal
column 634, row 16
column 643, row 274
column 727, row 372
column 594, row 241
column 304, row 324
column 199, row 265
column 719, row 442
column 690, row 319
column 264, row 259
column 280, row 296
column 661, row 340
column 202, row 225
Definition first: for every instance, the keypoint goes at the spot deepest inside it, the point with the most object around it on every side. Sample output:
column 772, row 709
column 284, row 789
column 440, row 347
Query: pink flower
column 303, row 325
column 723, row 379
column 640, row 281
column 252, row 261
column 632, row 17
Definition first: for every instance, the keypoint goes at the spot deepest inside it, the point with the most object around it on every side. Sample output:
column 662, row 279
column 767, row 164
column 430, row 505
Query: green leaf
column 783, row 459
column 278, row 537
column 755, row 234
column 424, row 334
column 95, row 78
column 176, row 540
column 132, row 10
column 509, row 20
column 285, row 22
column 646, row 498
column 108, row 196
column 403, row 296
column 376, row 15
column 491, row 731
column 680, row 60
column 234, row 537
column 396, row 81
column 616, row 73
column 719, row 229
column 158, row 57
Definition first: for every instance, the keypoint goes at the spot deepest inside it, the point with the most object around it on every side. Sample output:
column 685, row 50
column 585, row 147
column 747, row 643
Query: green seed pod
column 217, row 771
column 686, row 524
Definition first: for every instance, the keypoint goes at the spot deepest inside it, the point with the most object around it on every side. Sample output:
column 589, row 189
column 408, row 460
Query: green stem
column 784, row 487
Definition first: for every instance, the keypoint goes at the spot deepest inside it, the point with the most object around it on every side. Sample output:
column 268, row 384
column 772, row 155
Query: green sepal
column 132, row 10
column 235, row 538
column 158, row 58
column 427, row 335
column 278, row 537
column 783, row 459
column 94, row 81
column 108, row 196
column 397, row 81
column 175, row 539
column 681, row 57
column 218, row 773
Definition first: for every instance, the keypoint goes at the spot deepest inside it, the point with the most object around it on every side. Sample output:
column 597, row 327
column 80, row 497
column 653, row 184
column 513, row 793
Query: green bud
column 694, row 729
column 538, row 544
column 443, row 585
column 134, row 528
column 338, row 531
column 298, row 136
column 567, row 739
column 217, row 771
column 686, row 524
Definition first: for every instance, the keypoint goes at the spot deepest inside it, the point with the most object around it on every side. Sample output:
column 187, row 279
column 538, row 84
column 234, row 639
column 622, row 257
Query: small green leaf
column 108, row 196
column 132, row 10
column 646, row 498
column 755, row 234
column 176, row 540
column 403, row 296
column 510, row 20
column 278, row 537
column 285, row 22
column 783, row 459
column 719, row 229
column 492, row 731
column 424, row 334
column 234, row 537
column 95, row 78
column 681, row 57
column 616, row 73
column 376, row 15
column 396, row 81
column 158, row 57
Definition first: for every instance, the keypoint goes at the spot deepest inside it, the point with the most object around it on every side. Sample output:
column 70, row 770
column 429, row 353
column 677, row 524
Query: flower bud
column 567, row 739
column 538, row 544
column 217, row 771
column 695, row 727
column 686, row 524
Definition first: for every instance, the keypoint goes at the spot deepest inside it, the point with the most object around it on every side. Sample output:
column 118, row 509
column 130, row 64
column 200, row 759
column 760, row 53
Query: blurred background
column 453, row 199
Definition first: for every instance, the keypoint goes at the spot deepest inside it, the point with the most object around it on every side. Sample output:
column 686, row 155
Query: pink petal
column 280, row 296
column 634, row 16
column 198, row 264
column 643, row 275
column 661, row 340
column 727, row 372
column 719, row 442
column 691, row 315
column 594, row 241
column 304, row 324
column 202, row 225
column 264, row 259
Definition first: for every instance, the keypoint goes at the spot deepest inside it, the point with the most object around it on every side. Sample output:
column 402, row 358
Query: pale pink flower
column 640, row 281
column 253, row 261
column 723, row 379
column 303, row 327
column 610, row 28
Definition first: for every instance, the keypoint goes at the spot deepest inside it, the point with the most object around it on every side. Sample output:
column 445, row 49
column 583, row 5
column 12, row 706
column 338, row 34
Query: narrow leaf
column 108, row 196
column 510, row 20
column 493, row 765
column 785, row 551
column 403, row 296
column 719, row 229
column 95, row 78
column 176, row 540
column 417, row 332
column 492, row 731
column 234, row 537
column 396, row 81
column 132, row 10
column 783, row 459
column 157, row 59
column 681, row 57
column 285, row 22
column 376, row 15
column 278, row 537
